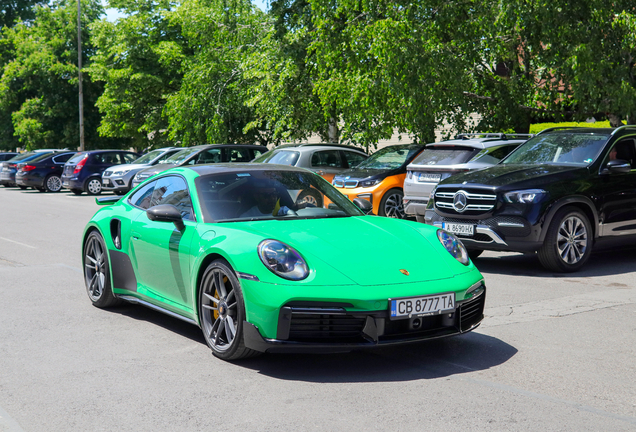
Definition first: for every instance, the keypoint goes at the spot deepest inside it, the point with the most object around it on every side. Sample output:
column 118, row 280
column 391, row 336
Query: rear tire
column 93, row 186
column 568, row 242
column 52, row 183
column 97, row 272
column 222, row 312
column 391, row 204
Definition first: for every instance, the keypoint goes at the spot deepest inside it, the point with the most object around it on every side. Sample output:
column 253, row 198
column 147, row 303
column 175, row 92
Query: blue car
column 83, row 172
column 9, row 168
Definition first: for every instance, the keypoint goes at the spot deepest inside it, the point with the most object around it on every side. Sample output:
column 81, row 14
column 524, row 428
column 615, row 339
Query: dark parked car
column 203, row 154
column 558, row 194
column 8, row 169
column 7, row 155
column 44, row 172
column 83, row 172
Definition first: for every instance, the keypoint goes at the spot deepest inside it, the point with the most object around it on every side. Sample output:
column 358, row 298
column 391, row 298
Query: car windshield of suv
column 389, row 157
column 281, row 157
column 180, row 157
column 267, row 195
column 148, row 157
column 444, row 156
column 559, row 148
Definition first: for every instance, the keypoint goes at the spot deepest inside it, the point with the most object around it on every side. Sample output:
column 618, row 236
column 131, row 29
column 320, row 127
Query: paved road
column 556, row 352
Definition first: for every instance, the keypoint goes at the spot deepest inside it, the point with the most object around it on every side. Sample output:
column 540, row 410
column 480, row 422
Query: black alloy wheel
column 392, row 205
column 568, row 242
column 310, row 197
column 96, row 272
column 222, row 312
column 52, row 183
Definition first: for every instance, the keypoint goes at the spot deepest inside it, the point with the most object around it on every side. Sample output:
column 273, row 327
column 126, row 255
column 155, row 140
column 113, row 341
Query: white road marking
column 554, row 308
column 8, row 424
column 21, row 244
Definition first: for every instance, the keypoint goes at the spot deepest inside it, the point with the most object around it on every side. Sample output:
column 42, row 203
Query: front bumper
column 334, row 329
column 115, row 183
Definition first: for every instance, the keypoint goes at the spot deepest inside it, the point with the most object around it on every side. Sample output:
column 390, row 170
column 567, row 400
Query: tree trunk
column 615, row 120
column 333, row 131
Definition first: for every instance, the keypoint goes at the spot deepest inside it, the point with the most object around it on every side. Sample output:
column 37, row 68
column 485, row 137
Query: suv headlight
column 525, row 196
column 283, row 260
column 454, row 246
column 122, row 172
column 368, row 183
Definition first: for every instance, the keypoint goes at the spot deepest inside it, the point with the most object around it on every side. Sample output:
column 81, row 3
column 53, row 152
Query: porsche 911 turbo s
column 236, row 250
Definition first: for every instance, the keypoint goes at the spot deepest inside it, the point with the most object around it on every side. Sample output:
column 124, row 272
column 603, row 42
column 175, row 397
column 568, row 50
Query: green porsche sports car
column 236, row 250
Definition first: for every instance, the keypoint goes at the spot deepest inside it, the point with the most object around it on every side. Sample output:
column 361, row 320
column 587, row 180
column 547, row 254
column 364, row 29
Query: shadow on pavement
column 607, row 259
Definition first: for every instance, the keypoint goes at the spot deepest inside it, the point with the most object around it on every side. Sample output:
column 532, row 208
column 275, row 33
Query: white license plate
column 426, row 177
column 422, row 306
column 106, row 181
column 459, row 229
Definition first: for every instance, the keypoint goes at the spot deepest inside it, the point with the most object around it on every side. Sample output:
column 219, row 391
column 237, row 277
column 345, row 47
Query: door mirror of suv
column 363, row 205
column 166, row 213
column 618, row 166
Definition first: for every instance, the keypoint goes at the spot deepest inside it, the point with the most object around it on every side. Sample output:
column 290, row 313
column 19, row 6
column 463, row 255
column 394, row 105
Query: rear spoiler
column 107, row 200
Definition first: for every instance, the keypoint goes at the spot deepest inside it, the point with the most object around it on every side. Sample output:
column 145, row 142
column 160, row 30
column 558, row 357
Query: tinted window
column 106, row 159
column 143, row 196
column 445, row 156
column 60, row 159
column 558, row 148
column 207, row 157
column 180, row 156
column 240, row 155
column 75, row 159
column 128, row 157
column 257, row 152
column 282, row 157
column 494, row 154
column 167, row 155
column 173, row 190
column 353, row 158
column 624, row 149
column 326, row 158
column 390, row 157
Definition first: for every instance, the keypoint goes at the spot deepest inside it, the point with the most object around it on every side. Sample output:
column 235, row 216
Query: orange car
column 380, row 178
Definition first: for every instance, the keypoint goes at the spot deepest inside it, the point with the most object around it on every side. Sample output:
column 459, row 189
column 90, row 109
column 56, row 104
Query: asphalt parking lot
column 555, row 352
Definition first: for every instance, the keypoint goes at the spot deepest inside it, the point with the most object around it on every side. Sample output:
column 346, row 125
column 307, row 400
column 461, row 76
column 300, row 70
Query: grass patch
column 538, row 127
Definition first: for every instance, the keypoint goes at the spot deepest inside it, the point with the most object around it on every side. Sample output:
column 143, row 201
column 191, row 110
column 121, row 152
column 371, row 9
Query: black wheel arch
column 583, row 203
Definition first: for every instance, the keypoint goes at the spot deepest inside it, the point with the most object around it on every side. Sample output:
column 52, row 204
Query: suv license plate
column 422, row 306
column 459, row 229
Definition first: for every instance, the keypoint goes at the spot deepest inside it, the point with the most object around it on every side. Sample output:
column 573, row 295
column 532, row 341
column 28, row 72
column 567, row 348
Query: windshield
column 148, row 157
column 444, row 156
column 389, row 157
column 560, row 149
column 265, row 195
column 180, row 157
column 281, row 157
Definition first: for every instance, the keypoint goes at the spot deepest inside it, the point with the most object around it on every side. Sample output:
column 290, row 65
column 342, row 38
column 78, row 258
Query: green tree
column 138, row 59
column 39, row 86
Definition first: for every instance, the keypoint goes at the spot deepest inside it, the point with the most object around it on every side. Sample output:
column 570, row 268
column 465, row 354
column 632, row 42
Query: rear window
column 444, row 156
column 281, row 157
column 75, row 159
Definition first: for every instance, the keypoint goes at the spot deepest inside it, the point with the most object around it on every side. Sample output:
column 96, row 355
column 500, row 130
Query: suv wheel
column 568, row 242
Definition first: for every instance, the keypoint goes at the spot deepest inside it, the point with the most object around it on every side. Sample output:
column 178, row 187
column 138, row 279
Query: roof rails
column 621, row 128
column 560, row 128
column 502, row 136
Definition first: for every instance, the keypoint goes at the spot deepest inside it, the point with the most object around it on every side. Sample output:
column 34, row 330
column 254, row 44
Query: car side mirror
column 363, row 205
column 618, row 166
column 166, row 213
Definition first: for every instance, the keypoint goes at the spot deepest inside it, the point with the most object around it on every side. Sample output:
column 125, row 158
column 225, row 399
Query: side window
column 167, row 154
column 128, row 157
column 326, row 158
column 143, row 196
column 625, row 149
column 208, row 156
column 239, row 155
column 61, row 159
column 257, row 153
column 173, row 190
column 353, row 158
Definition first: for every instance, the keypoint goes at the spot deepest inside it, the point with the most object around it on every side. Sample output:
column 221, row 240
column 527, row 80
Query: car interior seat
column 625, row 150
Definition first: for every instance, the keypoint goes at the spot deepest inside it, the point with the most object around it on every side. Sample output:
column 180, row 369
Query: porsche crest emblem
column 404, row 272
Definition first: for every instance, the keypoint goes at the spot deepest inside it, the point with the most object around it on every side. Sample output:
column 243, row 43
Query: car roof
column 318, row 146
column 239, row 167
column 482, row 140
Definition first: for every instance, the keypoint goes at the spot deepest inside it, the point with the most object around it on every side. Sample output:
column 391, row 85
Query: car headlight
column 454, row 246
column 122, row 172
column 525, row 196
column 283, row 260
column 368, row 183
column 140, row 176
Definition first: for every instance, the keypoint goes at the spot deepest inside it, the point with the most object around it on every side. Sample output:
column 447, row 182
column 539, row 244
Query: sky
column 113, row 14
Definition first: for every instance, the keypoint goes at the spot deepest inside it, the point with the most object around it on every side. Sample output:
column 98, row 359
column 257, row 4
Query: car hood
column 514, row 175
column 158, row 168
column 127, row 167
column 368, row 250
column 362, row 173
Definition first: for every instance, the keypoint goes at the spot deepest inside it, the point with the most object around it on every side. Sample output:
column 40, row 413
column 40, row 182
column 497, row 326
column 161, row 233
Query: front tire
column 392, row 205
column 77, row 191
column 97, row 273
column 310, row 197
column 568, row 242
column 222, row 312
column 93, row 186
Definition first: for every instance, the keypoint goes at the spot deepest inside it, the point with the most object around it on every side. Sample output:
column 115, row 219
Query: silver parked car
column 118, row 178
column 441, row 160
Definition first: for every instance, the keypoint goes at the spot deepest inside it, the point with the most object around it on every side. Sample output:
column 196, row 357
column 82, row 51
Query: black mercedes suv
column 558, row 194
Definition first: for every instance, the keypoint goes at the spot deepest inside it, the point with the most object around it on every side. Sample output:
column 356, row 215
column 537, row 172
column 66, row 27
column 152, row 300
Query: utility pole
column 79, row 67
